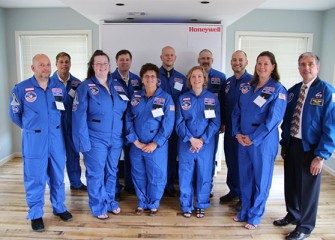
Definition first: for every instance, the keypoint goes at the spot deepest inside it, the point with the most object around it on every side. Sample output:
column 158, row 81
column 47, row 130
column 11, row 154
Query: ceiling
column 216, row 11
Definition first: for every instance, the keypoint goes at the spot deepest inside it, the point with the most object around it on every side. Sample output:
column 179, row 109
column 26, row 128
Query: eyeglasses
column 149, row 76
column 101, row 64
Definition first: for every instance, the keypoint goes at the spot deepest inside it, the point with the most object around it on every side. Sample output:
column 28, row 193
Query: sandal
column 200, row 212
column 187, row 214
column 102, row 217
column 116, row 211
column 250, row 226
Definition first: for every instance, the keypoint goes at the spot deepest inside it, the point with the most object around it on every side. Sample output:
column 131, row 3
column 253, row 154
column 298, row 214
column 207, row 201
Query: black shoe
column 228, row 198
column 81, row 188
column 211, row 195
column 296, row 235
column 170, row 192
column 283, row 222
column 65, row 216
column 37, row 225
column 238, row 206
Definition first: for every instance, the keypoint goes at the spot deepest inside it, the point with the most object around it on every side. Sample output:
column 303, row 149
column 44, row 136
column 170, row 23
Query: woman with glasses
column 97, row 117
column 150, row 121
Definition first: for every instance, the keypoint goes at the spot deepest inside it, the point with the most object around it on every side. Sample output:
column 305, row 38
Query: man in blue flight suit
column 132, row 83
column 174, row 83
column 36, row 106
column 214, row 85
column 229, row 96
column 308, row 138
column 63, row 64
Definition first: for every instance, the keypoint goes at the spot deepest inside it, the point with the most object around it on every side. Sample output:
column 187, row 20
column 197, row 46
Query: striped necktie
column 295, row 124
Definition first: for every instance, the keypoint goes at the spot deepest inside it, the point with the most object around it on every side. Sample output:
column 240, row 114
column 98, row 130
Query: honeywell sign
column 205, row 29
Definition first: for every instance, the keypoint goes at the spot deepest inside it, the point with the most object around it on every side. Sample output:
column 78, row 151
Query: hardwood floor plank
column 168, row 224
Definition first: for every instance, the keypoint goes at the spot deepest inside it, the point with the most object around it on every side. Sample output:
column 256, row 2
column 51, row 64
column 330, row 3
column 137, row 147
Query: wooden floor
column 169, row 223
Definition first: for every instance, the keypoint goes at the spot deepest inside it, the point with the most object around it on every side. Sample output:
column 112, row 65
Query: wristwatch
column 320, row 158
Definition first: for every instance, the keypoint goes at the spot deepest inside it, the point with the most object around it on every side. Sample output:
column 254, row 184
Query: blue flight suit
column 72, row 156
column 258, row 114
column 149, row 170
column 229, row 96
column 195, row 168
column 215, row 83
column 318, row 139
column 97, row 120
column 174, row 83
column 34, row 110
column 134, row 85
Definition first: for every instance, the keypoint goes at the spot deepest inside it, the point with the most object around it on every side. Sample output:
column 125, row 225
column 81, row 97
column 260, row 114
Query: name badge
column 123, row 97
column 60, row 105
column 72, row 92
column 178, row 86
column 210, row 113
column 259, row 101
column 157, row 112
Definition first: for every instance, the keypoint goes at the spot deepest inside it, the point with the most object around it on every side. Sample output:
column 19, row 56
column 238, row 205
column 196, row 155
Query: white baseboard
column 329, row 170
column 10, row 157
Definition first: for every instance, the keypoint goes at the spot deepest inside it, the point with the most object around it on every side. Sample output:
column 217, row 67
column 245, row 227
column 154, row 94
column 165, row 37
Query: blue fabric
column 97, row 132
column 134, row 85
column 43, row 151
column 195, row 169
column 72, row 156
column 260, row 120
column 216, row 80
column 168, row 84
column 229, row 96
column 318, row 119
column 149, row 170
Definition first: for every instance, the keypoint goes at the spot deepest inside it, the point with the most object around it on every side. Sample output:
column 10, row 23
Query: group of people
column 163, row 115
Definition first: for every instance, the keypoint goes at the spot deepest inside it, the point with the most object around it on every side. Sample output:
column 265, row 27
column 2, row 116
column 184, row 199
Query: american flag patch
column 333, row 97
column 171, row 107
column 282, row 96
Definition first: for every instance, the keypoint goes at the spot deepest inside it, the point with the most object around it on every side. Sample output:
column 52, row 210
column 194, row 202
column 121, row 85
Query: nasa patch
column 15, row 109
column 94, row 90
column 186, row 105
column 30, row 96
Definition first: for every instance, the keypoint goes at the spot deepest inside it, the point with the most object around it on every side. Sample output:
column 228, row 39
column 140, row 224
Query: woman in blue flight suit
column 98, row 110
column 150, row 121
column 255, row 120
column 198, row 120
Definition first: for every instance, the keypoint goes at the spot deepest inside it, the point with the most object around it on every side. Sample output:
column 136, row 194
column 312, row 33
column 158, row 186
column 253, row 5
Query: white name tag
column 60, row 106
column 259, row 101
column 157, row 112
column 210, row 113
column 72, row 92
column 178, row 86
column 124, row 97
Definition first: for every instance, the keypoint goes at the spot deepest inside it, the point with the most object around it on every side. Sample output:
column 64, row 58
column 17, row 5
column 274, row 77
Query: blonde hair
column 190, row 73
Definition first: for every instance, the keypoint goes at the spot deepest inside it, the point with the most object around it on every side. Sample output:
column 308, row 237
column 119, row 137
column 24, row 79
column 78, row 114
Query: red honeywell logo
column 204, row 29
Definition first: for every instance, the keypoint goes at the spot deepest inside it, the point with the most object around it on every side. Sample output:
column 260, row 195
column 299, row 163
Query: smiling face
column 197, row 79
column 238, row 62
column 205, row 60
column 101, row 66
column 168, row 57
column 123, row 62
column 264, row 67
column 41, row 67
column 149, row 79
column 308, row 68
column 63, row 65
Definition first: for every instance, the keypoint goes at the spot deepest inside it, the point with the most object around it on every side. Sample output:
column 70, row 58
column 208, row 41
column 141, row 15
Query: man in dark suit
column 308, row 139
